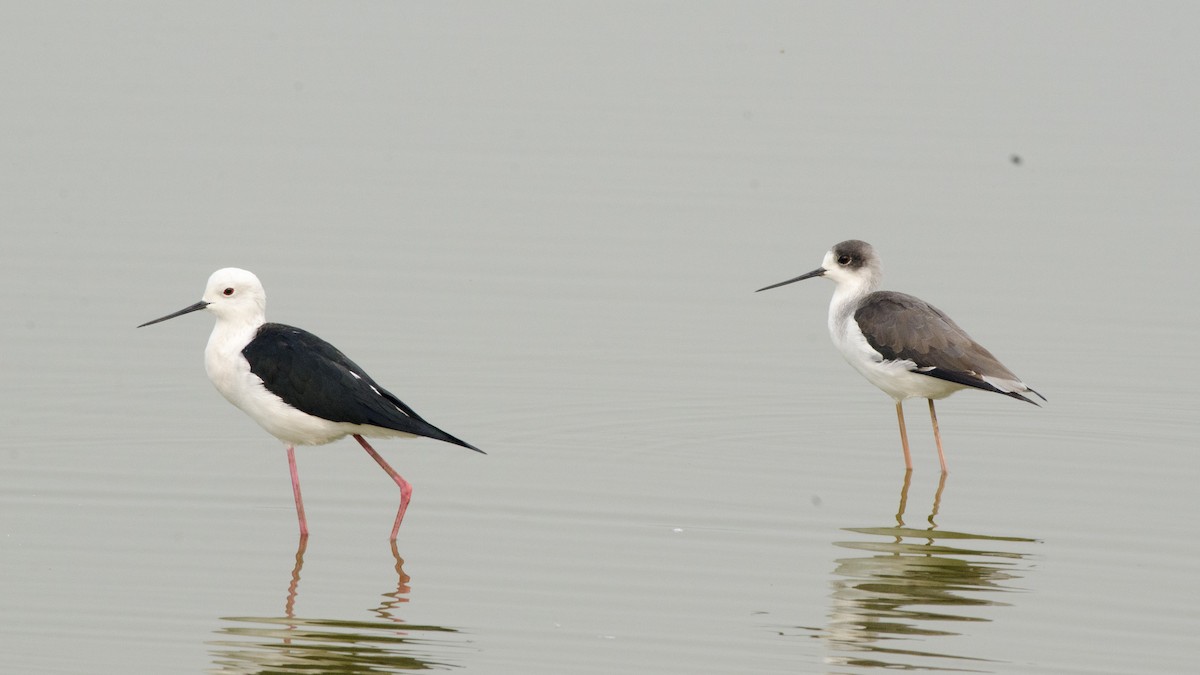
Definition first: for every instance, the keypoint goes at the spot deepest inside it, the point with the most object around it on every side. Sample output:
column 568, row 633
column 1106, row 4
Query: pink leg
column 405, row 488
column 937, row 436
column 903, row 437
column 291, row 452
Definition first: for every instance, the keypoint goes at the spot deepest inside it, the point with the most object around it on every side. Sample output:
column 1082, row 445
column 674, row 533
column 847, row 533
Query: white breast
column 230, row 374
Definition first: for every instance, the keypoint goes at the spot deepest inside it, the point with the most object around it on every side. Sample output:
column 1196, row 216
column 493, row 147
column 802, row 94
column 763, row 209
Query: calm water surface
column 541, row 227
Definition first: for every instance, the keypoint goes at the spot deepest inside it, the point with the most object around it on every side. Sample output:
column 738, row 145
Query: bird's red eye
column 228, row 291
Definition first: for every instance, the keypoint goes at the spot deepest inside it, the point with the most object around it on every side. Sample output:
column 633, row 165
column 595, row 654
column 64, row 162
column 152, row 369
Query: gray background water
column 541, row 225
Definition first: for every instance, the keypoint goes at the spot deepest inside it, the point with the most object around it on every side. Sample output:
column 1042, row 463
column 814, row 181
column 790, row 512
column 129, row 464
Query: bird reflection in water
column 892, row 607
column 384, row 644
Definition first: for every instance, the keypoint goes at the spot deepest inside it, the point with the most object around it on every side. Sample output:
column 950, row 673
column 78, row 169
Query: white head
column 234, row 295
column 853, row 265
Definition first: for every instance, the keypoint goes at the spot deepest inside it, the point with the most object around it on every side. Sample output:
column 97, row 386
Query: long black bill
column 815, row 273
column 186, row 310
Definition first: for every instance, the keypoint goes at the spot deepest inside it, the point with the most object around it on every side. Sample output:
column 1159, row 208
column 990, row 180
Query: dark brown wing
column 902, row 327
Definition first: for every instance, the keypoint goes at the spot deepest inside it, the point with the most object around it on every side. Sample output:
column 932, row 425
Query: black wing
column 313, row 376
column 903, row 327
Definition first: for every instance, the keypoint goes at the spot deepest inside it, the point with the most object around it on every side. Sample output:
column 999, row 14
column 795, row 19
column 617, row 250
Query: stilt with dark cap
column 902, row 344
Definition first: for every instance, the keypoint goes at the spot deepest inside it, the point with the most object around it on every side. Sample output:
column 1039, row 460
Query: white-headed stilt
column 298, row 387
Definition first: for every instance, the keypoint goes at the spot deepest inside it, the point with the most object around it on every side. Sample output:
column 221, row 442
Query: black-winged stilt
column 298, row 387
column 902, row 344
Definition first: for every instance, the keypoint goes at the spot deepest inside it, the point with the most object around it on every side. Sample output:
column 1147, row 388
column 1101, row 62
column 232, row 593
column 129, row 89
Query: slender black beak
column 815, row 273
column 186, row 310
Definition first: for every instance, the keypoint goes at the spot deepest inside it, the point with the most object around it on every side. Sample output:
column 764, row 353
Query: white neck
column 850, row 289
column 229, row 337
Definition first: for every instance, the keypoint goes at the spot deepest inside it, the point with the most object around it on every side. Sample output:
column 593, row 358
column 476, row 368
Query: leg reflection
column 903, row 499
column 393, row 599
column 381, row 641
column 893, row 603
column 289, row 607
